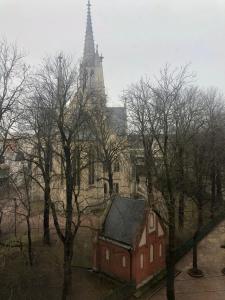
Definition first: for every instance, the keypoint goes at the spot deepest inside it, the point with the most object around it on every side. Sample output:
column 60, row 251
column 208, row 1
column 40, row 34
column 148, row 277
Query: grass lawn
column 44, row 280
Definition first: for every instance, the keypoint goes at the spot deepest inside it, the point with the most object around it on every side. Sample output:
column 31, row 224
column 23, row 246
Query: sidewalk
column 211, row 261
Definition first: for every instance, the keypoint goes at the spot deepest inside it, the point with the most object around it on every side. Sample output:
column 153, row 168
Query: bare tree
column 110, row 143
column 21, row 187
column 214, row 117
column 13, row 79
column 38, row 129
column 157, row 105
column 60, row 85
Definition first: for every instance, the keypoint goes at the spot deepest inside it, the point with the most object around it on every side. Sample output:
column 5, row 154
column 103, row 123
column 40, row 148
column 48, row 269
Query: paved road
column 211, row 261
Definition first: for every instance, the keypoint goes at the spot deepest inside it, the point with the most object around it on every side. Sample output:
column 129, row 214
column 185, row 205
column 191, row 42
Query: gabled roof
column 124, row 220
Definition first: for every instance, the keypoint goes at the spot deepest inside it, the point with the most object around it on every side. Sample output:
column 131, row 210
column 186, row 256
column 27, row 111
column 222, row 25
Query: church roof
column 124, row 220
column 117, row 119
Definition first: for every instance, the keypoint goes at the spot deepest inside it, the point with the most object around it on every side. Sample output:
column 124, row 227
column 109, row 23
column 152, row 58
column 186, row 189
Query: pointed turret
column 89, row 45
column 60, row 79
column 91, row 68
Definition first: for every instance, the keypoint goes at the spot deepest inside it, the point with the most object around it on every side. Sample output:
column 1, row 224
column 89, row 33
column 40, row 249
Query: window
column 105, row 169
column 2, row 159
column 105, row 189
column 151, row 253
column 151, row 222
column 116, row 188
column 124, row 261
column 107, row 254
column 91, row 168
column 76, row 163
column 142, row 261
column 160, row 250
column 160, row 230
column 116, row 166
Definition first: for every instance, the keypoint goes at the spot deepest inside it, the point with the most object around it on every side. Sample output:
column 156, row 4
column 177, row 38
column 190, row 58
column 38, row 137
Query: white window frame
column 151, row 222
column 107, row 254
column 160, row 250
column 142, row 261
column 124, row 262
column 151, row 253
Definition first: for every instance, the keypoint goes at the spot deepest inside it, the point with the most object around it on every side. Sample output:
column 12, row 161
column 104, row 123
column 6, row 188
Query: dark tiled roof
column 124, row 220
column 117, row 119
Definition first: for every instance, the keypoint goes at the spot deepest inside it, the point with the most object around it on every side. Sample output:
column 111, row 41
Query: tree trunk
column 67, row 270
column 219, row 194
column 181, row 197
column 181, row 210
column 46, row 229
column 195, row 252
column 170, row 263
column 69, row 236
column 15, row 218
column 30, row 254
column 213, row 191
column 195, row 238
column 170, row 257
column 110, row 174
column 1, row 217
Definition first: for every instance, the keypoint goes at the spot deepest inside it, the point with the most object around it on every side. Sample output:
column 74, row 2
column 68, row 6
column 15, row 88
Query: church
column 94, row 187
column 130, row 244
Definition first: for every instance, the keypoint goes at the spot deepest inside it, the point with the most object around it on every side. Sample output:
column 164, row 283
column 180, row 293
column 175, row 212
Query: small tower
column 91, row 66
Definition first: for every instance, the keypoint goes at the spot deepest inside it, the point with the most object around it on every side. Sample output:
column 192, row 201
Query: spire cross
column 89, row 4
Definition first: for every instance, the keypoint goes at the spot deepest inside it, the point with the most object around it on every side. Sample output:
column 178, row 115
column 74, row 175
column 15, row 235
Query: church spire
column 89, row 46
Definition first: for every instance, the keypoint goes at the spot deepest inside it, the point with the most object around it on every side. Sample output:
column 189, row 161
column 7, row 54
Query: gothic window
column 116, row 166
column 77, row 171
column 104, row 168
column 2, row 159
column 105, row 188
column 116, row 188
column 91, row 168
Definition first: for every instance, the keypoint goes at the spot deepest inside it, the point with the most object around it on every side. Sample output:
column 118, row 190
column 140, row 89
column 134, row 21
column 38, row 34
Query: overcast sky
column 136, row 37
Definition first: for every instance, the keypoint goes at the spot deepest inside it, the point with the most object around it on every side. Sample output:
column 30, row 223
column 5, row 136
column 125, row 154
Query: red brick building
column 131, row 245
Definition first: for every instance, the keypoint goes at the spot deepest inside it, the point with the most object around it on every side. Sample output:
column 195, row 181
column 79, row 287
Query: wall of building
column 150, row 266
column 116, row 262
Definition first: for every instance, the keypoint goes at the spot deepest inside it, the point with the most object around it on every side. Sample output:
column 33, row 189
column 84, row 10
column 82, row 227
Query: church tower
column 91, row 66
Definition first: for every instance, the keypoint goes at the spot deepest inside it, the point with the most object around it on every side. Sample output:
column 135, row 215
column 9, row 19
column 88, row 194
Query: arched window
column 116, row 188
column 116, row 166
column 105, row 188
column 91, row 167
column 151, row 254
